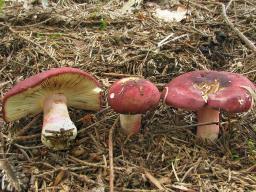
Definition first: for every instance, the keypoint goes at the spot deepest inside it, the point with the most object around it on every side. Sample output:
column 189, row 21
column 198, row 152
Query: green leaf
column 103, row 24
column 235, row 155
column 1, row 5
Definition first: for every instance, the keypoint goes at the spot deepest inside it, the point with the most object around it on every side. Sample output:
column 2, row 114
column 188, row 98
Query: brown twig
column 119, row 75
column 197, row 124
column 31, row 147
column 83, row 178
column 27, row 137
column 97, row 165
column 154, row 180
column 111, row 162
column 27, row 127
column 248, row 43
column 137, row 190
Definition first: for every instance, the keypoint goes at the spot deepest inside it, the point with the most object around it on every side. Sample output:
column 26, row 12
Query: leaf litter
column 84, row 34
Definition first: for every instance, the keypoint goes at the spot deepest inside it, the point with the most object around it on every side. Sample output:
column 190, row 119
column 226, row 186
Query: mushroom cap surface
column 27, row 97
column 219, row 90
column 133, row 95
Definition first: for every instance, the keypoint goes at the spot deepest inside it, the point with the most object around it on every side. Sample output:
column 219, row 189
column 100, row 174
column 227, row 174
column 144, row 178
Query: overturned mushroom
column 52, row 92
column 208, row 92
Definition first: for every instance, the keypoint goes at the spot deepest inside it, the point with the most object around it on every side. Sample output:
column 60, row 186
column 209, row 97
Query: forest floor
column 98, row 38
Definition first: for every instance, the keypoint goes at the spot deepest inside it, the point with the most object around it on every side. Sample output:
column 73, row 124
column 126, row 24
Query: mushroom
column 131, row 97
column 52, row 92
column 208, row 92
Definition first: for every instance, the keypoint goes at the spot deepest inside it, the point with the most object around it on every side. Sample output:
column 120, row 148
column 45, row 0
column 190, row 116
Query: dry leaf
column 77, row 151
column 88, row 119
column 59, row 177
column 171, row 16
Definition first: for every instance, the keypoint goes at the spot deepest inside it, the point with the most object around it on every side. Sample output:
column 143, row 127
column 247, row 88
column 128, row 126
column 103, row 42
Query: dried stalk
column 111, row 161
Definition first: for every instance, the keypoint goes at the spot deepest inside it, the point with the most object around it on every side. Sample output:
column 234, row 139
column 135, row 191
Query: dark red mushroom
column 51, row 92
column 208, row 92
column 132, row 97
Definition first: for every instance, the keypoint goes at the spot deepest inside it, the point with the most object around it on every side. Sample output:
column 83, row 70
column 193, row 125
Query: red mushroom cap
column 133, row 95
column 27, row 96
column 219, row 90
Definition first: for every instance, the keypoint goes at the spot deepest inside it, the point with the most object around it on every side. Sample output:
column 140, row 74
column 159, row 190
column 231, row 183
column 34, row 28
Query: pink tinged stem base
column 130, row 124
column 58, row 130
column 209, row 132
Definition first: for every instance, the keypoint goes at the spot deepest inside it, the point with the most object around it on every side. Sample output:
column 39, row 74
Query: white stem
column 58, row 129
column 207, row 115
column 130, row 123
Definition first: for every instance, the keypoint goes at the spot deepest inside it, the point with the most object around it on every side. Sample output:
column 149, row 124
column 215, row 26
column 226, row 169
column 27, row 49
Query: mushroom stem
column 207, row 115
column 58, row 129
column 130, row 123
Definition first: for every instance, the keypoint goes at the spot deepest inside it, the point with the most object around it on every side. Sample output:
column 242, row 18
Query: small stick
column 31, row 147
column 154, row 180
column 82, row 178
column 165, row 40
column 27, row 137
column 111, row 163
column 240, row 34
column 4, row 83
column 142, row 64
column 162, row 42
column 139, row 190
column 25, row 154
column 198, row 124
column 182, row 188
column 228, row 5
column 97, row 165
column 190, row 169
column 120, row 75
column 27, row 127
column 175, row 174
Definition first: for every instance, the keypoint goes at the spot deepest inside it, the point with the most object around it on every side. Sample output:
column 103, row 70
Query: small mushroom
column 208, row 92
column 52, row 92
column 131, row 97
